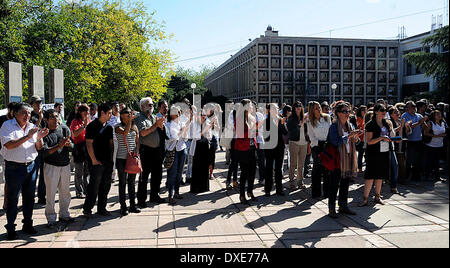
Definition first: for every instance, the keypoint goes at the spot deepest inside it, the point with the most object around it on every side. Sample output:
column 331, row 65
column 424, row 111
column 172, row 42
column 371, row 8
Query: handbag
column 169, row 157
column 330, row 158
column 133, row 164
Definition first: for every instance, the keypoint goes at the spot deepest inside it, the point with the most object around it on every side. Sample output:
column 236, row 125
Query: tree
column 435, row 64
column 180, row 84
column 106, row 48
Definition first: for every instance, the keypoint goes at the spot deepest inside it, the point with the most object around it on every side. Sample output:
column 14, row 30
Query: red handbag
column 330, row 158
column 133, row 164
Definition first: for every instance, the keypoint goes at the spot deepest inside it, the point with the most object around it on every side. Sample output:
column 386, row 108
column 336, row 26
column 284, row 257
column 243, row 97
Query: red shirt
column 243, row 145
column 75, row 125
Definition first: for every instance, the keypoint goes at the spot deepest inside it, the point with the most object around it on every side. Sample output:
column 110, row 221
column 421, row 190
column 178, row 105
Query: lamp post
column 334, row 87
column 193, row 86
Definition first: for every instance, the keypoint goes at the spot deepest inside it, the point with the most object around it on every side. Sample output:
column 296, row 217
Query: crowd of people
column 391, row 143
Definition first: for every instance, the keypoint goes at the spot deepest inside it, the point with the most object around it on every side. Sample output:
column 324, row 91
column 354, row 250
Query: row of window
column 288, row 76
column 356, row 101
column 346, row 64
column 325, row 90
column 326, row 51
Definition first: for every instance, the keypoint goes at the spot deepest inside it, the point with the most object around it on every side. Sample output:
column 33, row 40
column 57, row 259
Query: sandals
column 378, row 200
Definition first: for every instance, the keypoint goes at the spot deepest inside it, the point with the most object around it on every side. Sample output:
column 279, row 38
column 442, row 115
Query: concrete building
column 279, row 69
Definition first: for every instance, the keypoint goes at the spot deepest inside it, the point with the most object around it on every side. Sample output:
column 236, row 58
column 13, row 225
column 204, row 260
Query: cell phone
column 397, row 138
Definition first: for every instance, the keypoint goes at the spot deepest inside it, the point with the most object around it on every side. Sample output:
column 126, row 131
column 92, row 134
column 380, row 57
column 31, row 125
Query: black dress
column 377, row 162
column 200, row 167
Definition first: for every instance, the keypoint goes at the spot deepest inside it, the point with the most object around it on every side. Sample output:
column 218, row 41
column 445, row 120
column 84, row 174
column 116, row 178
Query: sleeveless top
column 131, row 141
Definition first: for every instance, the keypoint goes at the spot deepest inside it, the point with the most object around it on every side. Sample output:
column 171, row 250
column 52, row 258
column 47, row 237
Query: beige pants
column 298, row 156
column 57, row 179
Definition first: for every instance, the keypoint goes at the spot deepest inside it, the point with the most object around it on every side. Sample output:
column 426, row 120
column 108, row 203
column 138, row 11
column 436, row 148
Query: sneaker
column 11, row 235
column 134, row 210
column 29, row 229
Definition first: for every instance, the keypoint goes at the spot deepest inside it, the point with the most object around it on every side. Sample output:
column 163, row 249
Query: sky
column 207, row 27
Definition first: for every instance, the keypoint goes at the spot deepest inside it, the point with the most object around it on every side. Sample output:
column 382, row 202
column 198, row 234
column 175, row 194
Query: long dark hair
column 376, row 109
column 302, row 113
column 81, row 108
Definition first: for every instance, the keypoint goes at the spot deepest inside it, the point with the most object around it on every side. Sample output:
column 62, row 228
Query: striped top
column 122, row 148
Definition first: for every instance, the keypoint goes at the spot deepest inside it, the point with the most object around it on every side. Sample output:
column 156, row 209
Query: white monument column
column 13, row 81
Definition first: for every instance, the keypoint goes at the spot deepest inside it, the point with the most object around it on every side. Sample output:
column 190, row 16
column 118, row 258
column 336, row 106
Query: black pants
column 319, row 173
column 247, row 162
column 152, row 159
column 360, row 150
column 233, row 167
column 274, row 156
column 40, row 175
column 124, row 180
column 414, row 160
column 99, row 186
column 337, row 183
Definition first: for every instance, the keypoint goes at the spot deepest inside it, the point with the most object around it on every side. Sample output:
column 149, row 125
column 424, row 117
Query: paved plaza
column 419, row 217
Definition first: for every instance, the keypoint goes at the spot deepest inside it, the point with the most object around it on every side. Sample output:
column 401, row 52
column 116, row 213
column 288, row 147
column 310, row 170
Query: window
column 300, row 50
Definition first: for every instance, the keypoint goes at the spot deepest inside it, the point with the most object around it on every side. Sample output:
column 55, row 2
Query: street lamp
column 193, row 86
column 334, row 87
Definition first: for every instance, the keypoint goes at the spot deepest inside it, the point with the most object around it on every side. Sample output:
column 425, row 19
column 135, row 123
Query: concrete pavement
column 419, row 217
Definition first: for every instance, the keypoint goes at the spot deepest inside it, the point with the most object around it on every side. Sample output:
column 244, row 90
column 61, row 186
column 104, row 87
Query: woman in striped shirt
column 126, row 130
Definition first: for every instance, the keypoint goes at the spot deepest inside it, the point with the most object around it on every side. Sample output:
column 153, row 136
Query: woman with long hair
column 175, row 131
column 199, row 149
column 127, row 141
column 245, row 149
column 298, row 144
column 318, row 128
column 344, row 137
column 379, row 145
column 437, row 130
column 80, row 155
column 275, row 150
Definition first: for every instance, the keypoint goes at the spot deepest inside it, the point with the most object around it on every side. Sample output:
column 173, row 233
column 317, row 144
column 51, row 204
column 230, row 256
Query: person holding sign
column 379, row 146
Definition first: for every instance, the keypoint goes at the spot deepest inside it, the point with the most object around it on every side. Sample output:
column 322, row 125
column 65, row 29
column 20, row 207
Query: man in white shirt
column 20, row 142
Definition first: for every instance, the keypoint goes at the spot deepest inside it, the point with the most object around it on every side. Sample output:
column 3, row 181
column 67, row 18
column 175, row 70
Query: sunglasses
column 345, row 112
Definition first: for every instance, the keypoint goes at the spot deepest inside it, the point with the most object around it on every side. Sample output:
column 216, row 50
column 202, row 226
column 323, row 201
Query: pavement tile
column 166, row 241
column 419, row 240
column 378, row 241
column 329, row 242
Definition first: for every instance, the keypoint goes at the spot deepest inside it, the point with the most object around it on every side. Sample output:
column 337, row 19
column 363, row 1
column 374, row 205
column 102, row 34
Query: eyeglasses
column 345, row 112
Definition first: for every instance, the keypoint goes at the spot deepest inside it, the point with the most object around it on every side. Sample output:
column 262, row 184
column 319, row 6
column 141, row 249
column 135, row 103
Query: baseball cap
column 35, row 98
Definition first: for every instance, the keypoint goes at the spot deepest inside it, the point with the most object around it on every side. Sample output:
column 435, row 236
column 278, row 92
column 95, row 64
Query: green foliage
column 436, row 65
column 180, row 84
column 106, row 48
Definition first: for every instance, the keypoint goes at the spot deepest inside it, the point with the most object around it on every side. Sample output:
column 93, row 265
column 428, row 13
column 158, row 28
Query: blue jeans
column 19, row 178
column 175, row 173
column 394, row 170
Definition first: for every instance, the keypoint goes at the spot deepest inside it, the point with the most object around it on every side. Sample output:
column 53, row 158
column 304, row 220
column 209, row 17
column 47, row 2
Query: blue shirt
column 416, row 134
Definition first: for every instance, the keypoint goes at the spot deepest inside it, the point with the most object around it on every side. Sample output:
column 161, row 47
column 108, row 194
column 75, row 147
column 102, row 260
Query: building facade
column 279, row 69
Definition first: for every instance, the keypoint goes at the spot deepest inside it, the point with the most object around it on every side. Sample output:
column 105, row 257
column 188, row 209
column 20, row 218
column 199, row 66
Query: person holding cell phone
column 379, row 147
